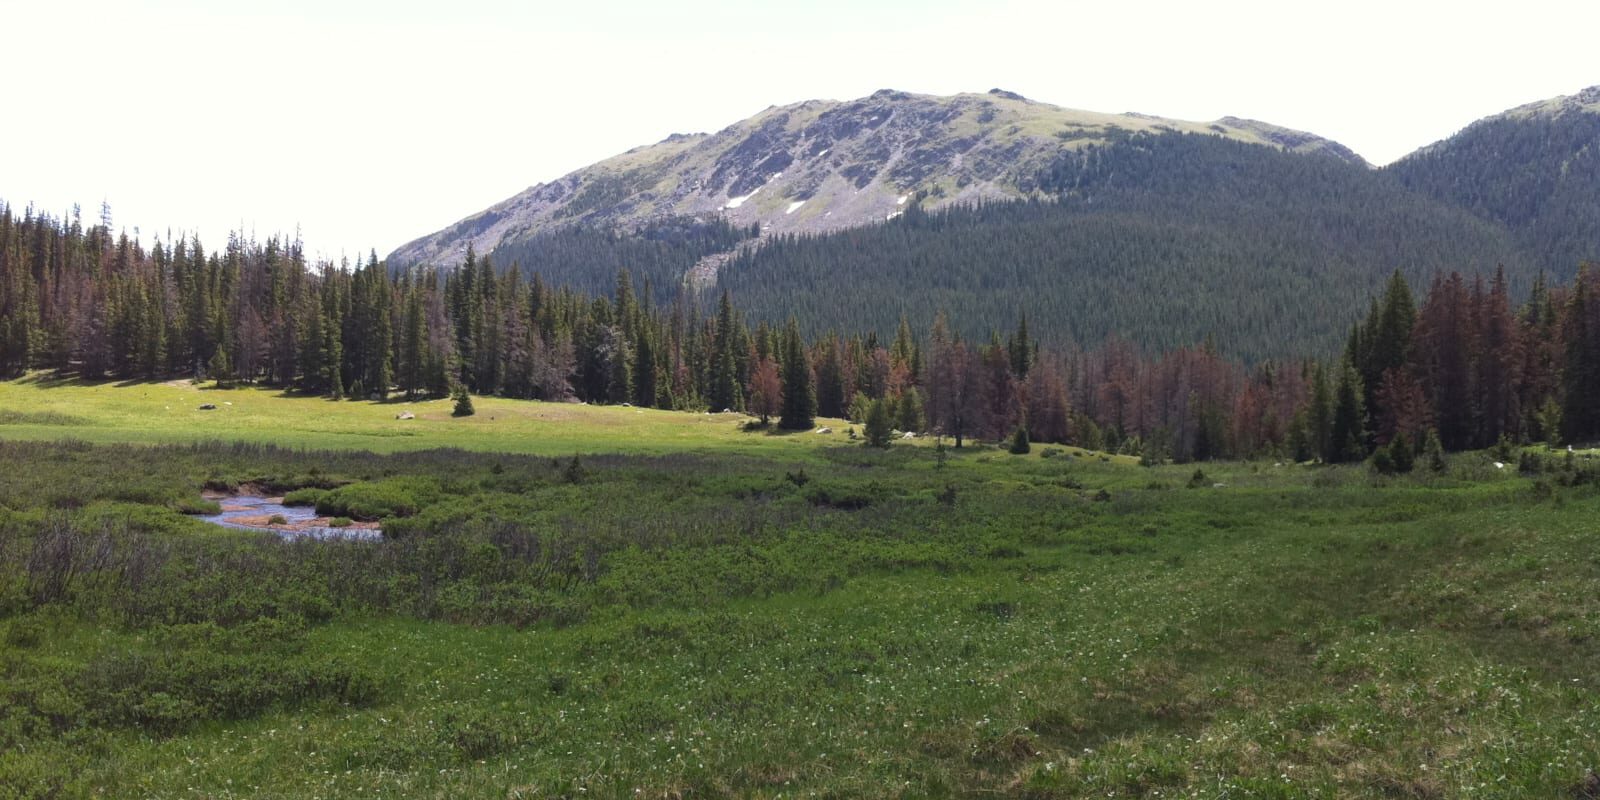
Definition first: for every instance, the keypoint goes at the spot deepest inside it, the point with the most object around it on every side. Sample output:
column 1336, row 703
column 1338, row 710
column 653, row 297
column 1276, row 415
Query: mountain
column 1534, row 169
column 849, row 215
column 825, row 165
column 1164, row 239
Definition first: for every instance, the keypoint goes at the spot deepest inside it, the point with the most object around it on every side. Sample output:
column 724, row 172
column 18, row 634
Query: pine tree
column 463, row 406
column 413, row 345
column 830, row 378
column 1580, row 375
column 1019, row 441
column 910, row 414
column 878, row 423
column 1319, row 415
column 799, row 395
column 724, row 392
column 1347, row 435
column 1021, row 349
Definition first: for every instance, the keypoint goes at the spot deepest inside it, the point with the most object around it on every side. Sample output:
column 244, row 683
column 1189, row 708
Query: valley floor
column 687, row 610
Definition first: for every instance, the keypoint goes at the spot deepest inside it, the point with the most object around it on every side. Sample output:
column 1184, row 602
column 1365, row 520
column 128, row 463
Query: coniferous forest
column 1454, row 363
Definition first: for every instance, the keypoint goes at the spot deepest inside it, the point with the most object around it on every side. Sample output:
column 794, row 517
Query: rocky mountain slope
column 825, row 165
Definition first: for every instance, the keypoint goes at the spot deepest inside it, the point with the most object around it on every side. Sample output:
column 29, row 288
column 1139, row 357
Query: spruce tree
column 799, row 395
column 1580, row 376
column 413, row 345
column 1319, row 415
column 878, row 424
column 724, row 391
column 463, row 407
column 1019, row 441
column 1347, row 435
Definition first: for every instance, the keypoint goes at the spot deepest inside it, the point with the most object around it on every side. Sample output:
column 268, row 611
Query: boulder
column 824, row 430
column 405, row 415
column 208, row 407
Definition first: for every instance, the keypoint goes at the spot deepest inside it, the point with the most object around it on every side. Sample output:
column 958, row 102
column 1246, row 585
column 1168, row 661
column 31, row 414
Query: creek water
column 251, row 513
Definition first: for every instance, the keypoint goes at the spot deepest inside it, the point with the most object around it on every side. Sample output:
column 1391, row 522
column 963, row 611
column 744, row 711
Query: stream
column 252, row 513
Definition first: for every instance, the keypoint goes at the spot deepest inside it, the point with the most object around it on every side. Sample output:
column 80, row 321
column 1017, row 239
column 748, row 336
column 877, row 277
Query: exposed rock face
column 823, row 165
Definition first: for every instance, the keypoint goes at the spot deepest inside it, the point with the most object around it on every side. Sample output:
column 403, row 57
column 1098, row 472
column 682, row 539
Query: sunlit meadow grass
column 777, row 618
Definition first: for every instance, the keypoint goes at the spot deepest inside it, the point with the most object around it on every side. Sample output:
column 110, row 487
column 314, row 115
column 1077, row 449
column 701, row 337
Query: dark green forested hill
column 1163, row 239
column 588, row 258
column 1535, row 170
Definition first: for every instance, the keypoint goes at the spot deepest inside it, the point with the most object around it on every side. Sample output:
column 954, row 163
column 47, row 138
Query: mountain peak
column 823, row 165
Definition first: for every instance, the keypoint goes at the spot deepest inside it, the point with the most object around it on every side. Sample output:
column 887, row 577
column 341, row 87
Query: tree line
column 1463, row 367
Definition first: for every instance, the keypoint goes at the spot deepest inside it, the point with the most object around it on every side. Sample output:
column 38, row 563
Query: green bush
column 304, row 497
column 376, row 500
column 196, row 505
column 1019, row 441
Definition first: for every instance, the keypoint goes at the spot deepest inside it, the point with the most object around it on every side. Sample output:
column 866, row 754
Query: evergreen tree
column 1319, row 415
column 1347, row 435
column 910, row 415
column 878, row 423
column 724, row 391
column 413, row 345
column 1019, row 441
column 463, row 406
column 799, row 395
column 830, row 378
column 1021, row 348
column 1580, row 376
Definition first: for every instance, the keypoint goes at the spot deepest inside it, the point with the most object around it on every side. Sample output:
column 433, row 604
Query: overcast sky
column 366, row 124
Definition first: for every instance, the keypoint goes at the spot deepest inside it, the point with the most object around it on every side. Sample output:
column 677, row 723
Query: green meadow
column 575, row 601
column 40, row 408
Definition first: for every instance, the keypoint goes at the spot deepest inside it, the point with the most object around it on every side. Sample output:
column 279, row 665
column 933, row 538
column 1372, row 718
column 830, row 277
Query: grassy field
column 710, row 613
column 162, row 413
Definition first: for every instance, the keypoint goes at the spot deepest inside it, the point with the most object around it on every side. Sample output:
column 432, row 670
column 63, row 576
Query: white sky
column 366, row 124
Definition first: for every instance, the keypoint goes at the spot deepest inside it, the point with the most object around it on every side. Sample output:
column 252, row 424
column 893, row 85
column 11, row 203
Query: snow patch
column 795, row 206
column 892, row 216
column 739, row 201
column 902, row 200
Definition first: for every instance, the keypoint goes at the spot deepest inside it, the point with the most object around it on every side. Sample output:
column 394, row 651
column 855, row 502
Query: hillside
column 1534, row 169
column 1161, row 239
column 1158, row 230
column 824, row 165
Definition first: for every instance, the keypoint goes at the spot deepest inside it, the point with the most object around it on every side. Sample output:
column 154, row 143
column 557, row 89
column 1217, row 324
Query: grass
column 165, row 413
column 778, row 617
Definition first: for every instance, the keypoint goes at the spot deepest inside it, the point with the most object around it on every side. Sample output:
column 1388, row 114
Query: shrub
column 340, row 522
column 304, row 497
column 196, row 505
column 575, row 473
column 1435, row 452
column 372, row 501
column 1019, row 441
column 1401, row 454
